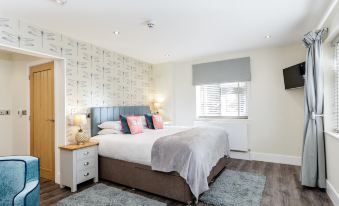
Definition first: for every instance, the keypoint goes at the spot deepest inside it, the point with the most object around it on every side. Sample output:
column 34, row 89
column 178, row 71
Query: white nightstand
column 78, row 163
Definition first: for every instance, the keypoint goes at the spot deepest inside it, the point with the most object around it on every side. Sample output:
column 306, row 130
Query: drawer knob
column 86, row 174
column 86, row 153
column 86, row 163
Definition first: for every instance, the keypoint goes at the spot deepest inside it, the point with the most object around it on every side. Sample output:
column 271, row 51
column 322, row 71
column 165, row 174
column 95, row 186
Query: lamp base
column 81, row 137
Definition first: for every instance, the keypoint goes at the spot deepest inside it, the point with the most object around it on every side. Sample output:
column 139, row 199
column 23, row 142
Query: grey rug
column 234, row 188
column 103, row 195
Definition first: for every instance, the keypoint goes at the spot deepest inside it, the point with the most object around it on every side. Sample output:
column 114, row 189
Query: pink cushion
column 157, row 121
column 134, row 124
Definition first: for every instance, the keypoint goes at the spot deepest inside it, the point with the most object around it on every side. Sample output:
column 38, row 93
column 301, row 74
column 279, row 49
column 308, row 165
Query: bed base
column 142, row 177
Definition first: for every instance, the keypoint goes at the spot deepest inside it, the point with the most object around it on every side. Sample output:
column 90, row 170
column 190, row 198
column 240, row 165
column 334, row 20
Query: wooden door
column 42, row 117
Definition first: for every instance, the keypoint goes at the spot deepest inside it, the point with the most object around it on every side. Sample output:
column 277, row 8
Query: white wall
column 331, row 139
column 275, row 115
column 14, row 87
column 20, row 98
column 164, row 78
column 6, row 146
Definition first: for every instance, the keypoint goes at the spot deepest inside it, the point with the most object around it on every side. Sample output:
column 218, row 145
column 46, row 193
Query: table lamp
column 80, row 136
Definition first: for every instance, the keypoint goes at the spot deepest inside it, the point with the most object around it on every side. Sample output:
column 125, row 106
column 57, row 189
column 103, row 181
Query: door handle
column 50, row 120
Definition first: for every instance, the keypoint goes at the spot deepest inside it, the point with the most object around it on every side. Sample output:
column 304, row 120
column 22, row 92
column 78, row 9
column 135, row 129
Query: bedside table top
column 76, row 146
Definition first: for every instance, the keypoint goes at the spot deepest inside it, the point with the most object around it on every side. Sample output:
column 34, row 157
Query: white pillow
column 116, row 125
column 109, row 131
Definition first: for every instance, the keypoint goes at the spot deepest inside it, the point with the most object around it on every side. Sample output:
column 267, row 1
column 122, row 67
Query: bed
column 127, row 159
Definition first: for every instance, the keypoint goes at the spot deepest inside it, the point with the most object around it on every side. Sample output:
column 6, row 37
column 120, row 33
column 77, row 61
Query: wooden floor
column 282, row 186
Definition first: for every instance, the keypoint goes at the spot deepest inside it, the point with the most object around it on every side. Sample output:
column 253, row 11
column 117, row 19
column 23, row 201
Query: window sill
column 222, row 119
column 332, row 134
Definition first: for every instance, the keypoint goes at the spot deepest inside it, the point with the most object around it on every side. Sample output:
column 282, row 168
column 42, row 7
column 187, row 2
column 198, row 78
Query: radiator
column 237, row 132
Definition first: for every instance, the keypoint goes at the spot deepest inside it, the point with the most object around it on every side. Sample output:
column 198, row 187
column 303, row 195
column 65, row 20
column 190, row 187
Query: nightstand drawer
column 86, row 163
column 86, row 152
column 86, row 174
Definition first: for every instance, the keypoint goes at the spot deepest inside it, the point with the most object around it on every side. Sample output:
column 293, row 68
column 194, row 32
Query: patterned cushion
column 157, row 122
column 149, row 121
column 124, row 125
column 135, row 124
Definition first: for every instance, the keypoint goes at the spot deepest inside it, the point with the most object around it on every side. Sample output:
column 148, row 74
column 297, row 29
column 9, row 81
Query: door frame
column 59, row 96
column 31, row 125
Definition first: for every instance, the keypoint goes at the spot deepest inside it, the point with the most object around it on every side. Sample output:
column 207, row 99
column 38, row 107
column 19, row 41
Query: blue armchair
column 19, row 181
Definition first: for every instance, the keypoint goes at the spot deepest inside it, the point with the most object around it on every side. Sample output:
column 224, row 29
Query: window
column 223, row 100
column 336, row 90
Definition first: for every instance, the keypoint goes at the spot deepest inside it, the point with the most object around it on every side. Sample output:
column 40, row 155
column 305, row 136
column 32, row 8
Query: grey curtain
column 313, row 169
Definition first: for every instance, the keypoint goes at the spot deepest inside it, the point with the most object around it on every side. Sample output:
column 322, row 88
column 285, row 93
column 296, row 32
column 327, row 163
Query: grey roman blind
column 232, row 70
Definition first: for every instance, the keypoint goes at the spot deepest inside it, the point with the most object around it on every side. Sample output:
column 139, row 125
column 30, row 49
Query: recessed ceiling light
column 168, row 55
column 268, row 36
column 61, row 2
column 150, row 24
column 116, row 32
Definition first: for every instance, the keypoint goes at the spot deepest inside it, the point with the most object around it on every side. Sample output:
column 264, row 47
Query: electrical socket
column 5, row 112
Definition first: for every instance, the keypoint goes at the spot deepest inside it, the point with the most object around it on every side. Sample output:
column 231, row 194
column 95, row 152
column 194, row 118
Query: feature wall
column 94, row 76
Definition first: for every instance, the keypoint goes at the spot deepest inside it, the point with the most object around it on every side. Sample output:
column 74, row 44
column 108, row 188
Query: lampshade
column 156, row 105
column 79, row 119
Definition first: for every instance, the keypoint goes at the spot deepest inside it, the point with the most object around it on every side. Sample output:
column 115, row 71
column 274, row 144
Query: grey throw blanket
column 192, row 153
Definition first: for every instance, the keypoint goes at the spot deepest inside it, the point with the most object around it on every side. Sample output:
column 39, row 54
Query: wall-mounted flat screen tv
column 294, row 76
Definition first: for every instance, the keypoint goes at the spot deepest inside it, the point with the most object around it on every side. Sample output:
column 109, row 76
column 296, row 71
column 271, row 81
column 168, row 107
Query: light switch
column 5, row 112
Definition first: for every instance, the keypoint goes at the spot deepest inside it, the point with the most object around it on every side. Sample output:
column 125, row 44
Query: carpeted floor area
column 101, row 194
column 229, row 189
column 282, row 186
column 235, row 188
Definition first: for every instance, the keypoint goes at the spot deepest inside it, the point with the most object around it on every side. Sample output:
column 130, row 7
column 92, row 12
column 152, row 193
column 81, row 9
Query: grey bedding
column 191, row 153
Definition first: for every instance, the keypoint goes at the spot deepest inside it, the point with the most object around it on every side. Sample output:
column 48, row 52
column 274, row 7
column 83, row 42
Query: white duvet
column 133, row 148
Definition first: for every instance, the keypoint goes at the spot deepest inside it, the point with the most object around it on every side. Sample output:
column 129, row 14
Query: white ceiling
column 184, row 29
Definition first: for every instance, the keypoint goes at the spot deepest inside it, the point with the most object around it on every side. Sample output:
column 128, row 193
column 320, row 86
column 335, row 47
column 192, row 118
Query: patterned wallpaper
column 94, row 76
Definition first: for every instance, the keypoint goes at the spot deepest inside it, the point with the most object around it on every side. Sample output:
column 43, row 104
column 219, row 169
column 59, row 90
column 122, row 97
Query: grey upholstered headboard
column 103, row 114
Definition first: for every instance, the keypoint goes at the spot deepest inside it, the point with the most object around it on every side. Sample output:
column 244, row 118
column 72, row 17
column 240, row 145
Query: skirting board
column 332, row 193
column 267, row 157
column 276, row 158
column 240, row 155
column 57, row 178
